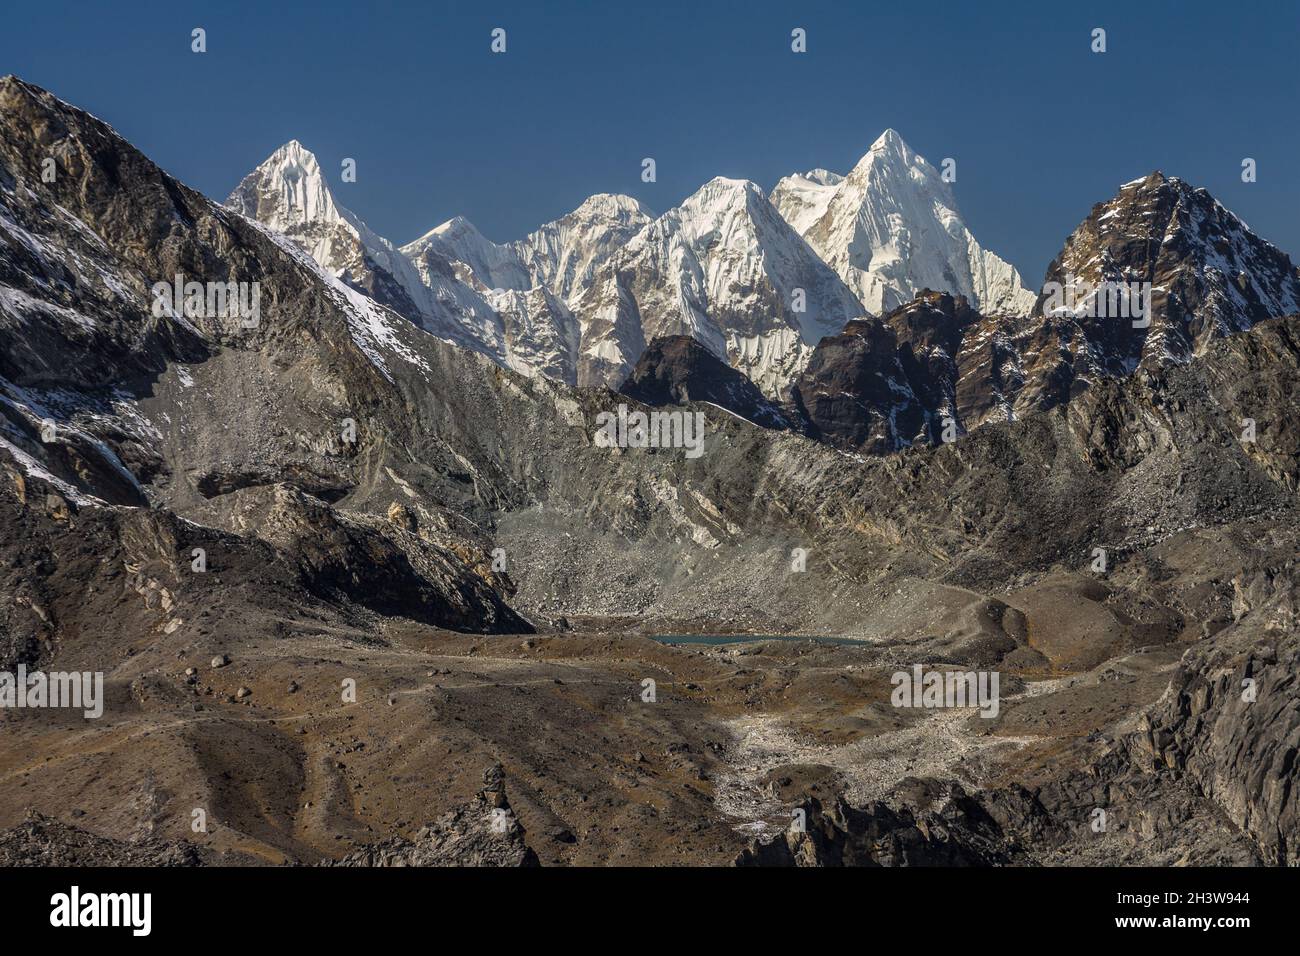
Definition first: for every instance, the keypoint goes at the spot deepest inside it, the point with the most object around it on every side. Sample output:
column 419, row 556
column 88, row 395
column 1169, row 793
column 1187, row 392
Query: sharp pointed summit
column 289, row 193
column 891, row 228
column 890, row 139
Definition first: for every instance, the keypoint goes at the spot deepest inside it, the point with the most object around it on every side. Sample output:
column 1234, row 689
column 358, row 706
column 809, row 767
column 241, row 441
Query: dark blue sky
column 1041, row 127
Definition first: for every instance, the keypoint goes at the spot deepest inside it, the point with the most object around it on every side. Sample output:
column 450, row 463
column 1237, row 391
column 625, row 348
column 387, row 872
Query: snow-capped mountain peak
column 802, row 198
column 288, row 192
column 458, row 240
column 718, row 208
column 725, row 268
column 891, row 140
column 564, row 255
column 293, row 171
column 612, row 206
column 508, row 301
column 560, row 255
column 457, row 227
column 822, row 177
column 891, row 228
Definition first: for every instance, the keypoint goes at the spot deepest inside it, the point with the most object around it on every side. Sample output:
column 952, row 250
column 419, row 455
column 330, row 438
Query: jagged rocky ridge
column 725, row 268
column 1209, row 276
column 922, row 374
column 510, row 303
column 880, row 385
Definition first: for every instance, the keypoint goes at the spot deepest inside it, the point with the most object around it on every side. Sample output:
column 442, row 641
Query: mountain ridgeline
column 860, row 305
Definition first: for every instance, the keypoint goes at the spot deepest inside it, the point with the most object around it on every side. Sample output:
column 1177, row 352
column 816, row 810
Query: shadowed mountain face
column 855, row 393
column 231, row 521
column 677, row 369
column 882, row 385
column 1192, row 269
column 1202, row 272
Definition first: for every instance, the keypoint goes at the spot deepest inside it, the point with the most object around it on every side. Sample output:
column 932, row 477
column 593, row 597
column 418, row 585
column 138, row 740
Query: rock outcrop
column 43, row 842
column 484, row 833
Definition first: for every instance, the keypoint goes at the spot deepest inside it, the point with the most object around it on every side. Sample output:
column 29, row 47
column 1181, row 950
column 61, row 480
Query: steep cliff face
column 1228, row 725
column 1209, row 274
column 855, row 393
column 1197, row 269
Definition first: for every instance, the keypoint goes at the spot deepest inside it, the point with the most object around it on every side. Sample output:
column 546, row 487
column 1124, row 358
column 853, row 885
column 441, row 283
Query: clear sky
column 1040, row 126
